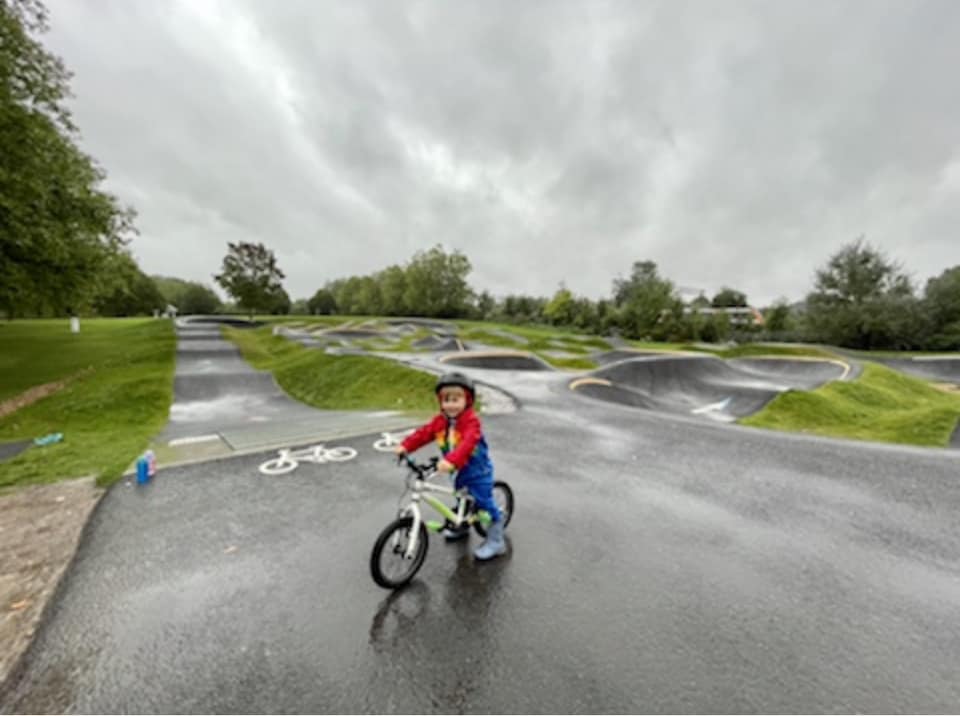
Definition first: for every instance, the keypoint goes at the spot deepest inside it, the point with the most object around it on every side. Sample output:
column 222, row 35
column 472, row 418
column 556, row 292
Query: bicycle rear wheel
column 279, row 466
column 503, row 496
column 389, row 566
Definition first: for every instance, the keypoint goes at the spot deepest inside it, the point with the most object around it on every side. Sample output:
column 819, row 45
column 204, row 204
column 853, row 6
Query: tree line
column 64, row 248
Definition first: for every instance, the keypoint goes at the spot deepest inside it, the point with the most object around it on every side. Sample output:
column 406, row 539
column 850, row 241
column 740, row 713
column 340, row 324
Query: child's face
column 453, row 401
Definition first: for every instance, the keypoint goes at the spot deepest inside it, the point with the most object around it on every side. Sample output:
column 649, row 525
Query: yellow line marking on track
column 836, row 361
column 589, row 381
column 488, row 354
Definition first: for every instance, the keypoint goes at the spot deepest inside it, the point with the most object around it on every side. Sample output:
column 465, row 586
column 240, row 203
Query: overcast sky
column 733, row 143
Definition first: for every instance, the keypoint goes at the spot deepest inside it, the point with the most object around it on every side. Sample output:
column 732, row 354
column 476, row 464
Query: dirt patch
column 40, row 527
column 32, row 395
column 948, row 387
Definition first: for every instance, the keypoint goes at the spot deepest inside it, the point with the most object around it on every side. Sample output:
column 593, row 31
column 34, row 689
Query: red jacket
column 460, row 440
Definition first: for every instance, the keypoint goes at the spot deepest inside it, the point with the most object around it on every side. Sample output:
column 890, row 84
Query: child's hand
column 444, row 466
column 400, row 450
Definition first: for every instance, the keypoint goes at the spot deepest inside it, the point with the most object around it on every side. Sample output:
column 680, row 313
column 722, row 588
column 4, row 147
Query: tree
column 129, row 293
column 437, row 284
column 190, row 297
column 486, row 305
column 393, row 288
column 729, row 298
column 700, row 301
column 777, row 318
column 251, row 276
column 322, row 303
column 643, row 301
column 859, row 300
column 58, row 230
column 941, row 302
column 198, row 299
column 559, row 310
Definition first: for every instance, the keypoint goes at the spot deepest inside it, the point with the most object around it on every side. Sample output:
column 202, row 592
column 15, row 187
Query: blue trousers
column 480, row 486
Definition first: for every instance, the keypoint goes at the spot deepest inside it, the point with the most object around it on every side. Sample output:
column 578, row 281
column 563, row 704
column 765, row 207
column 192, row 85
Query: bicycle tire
column 339, row 454
column 404, row 524
column 505, row 504
column 278, row 466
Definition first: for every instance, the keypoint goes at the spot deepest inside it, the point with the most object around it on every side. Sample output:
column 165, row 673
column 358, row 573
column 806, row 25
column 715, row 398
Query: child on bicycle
column 458, row 433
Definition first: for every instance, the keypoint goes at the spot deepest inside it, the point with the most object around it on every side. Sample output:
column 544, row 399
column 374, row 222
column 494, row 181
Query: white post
column 74, row 324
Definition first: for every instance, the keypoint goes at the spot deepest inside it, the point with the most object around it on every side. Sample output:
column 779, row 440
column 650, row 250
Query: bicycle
column 405, row 540
column 388, row 441
column 288, row 460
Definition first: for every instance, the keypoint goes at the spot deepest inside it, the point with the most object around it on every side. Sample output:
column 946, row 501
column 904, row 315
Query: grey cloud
column 735, row 143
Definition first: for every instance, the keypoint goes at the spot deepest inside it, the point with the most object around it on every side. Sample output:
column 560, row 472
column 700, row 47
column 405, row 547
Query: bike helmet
column 459, row 379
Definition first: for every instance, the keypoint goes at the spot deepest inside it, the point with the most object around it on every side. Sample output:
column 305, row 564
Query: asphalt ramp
column 497, row 360
column 223, row 406
column 701, row 384
column 441, row 343
column 944, row 369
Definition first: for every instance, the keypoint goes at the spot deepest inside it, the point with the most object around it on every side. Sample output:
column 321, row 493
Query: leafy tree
column 346, row 293
column 278, row 302
column 941, row 302
column 392, row 282
column 585, row 314
column 369, row 298
column 560, row 309
column 300, row 307
column 700, row 301
column 486, row 305
column 198, row 299
column 251, row 276
column 190, row 297
column 643, row 300
column 437, row 284
column 777, row 318
column 860, row 299
column 58, row 231
column 523, row 309
column 322, row 302
column 729, row 298
column 129, row 293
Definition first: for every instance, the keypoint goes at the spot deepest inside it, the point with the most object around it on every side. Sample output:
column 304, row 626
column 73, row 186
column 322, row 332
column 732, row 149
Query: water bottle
column 151, row 463
column 142, row 470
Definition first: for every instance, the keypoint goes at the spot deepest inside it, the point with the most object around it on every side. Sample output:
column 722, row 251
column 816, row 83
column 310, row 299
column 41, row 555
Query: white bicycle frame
column 419, row 487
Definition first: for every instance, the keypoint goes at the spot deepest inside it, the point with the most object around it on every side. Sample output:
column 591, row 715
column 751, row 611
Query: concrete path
column 224, row 407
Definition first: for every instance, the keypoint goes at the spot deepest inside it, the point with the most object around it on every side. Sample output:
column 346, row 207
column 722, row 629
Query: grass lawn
column 118, row 398
column 881, row 405
column 335, row 382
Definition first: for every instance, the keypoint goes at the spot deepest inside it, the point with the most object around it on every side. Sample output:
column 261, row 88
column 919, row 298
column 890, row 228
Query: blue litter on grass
column 48, row 439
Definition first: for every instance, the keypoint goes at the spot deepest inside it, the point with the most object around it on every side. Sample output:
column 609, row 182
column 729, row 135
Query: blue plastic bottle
column 143, row 470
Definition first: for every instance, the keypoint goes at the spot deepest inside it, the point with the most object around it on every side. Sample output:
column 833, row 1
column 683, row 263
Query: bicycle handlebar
column 423, row 469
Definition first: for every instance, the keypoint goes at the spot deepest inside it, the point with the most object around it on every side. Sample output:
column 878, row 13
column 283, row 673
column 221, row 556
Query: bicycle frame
column 421, row 486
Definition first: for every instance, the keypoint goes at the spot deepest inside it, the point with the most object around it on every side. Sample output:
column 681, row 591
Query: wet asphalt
column 657, row 564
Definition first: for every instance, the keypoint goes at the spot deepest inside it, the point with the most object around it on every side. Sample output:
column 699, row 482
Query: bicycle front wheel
column 339, row 454
column 279, row 466
column 389, row 564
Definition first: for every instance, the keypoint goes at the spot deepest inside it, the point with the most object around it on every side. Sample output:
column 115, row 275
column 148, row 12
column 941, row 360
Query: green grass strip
column 882, row 405
column 118, row 398
column 335, row 382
